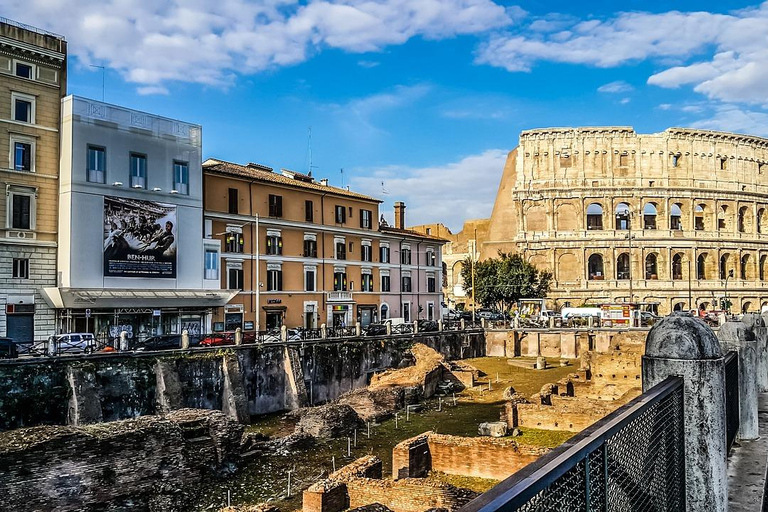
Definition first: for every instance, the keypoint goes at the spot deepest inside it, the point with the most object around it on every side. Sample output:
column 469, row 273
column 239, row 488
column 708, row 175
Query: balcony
column 339, row 296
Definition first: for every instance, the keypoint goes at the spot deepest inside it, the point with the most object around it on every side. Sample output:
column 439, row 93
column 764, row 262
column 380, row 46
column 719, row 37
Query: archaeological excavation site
column 407, row 424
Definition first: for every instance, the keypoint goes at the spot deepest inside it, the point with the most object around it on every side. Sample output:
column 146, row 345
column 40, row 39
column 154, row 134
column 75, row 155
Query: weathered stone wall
column 409, row 495
column 257, row 379
column 138, row 464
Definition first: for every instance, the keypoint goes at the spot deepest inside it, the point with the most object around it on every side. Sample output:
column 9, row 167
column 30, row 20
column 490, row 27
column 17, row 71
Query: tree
column 501, row 282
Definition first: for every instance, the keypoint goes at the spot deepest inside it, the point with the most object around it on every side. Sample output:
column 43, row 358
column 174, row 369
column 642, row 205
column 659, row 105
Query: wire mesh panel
column 731, row 397
column 631, row 460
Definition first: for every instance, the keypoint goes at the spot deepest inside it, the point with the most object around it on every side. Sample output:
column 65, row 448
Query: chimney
column 324, row 182
column 400, row 215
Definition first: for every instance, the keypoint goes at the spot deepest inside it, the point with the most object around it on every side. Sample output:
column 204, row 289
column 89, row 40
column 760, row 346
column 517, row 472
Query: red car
column 215, row 340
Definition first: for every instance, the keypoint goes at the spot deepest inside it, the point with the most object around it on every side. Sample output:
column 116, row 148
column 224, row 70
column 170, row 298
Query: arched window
column 622, row 266
column 745, row 307
column 761, row 270
column 721, row 218
column 651, row 267
column 594, row 216
column 676, row 217
column 679, row 306
column 595, row 267
column 384, row 312
column 649, row 216
column 745, row 267
column 759, row 220
column 622, row 216
column 677, row 266
column 701, row 266
column 699, row 218
column 724, row 266
column 742, row 220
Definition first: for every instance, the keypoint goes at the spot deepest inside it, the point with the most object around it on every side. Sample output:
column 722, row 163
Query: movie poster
column 140, row 238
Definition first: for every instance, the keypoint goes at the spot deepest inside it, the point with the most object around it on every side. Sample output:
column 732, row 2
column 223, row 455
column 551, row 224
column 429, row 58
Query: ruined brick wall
column 138, row 464
column 481, row 457
column 411, row 458
column 408, row 495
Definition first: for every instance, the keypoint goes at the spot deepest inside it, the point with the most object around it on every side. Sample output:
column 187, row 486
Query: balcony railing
column 339, row 296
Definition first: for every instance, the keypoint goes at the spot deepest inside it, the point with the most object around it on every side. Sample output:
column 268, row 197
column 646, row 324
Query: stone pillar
column 737, row 336
column 462, row 323
column 234, row 402
column 323, row 331
column 684, row 346
column 283, row 333
column 84, row 403
column 440, row 325
column 185, row 339
column 238, row 336
column 415, row 326
column 389, row 328
column 168, row 394
column 358, row 329
column 761, row 336
column 483, row 323
column 123, row 341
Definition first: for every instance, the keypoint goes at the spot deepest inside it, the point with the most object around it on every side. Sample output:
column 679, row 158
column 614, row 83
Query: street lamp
column 628, row 214
column 725, row 298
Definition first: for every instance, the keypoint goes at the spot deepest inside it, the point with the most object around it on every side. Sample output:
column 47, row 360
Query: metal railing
column 633, row 459
column 731, row 397
column 30, row 28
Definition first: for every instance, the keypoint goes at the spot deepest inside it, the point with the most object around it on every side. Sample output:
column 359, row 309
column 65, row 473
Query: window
column 275, row 205
column 406, row 283
column 431, row 284
column 274, row 243
column 21, row 211
column 649, row 216
column 274, row 279
column 675, row 160
column 339, row 281
column 623, row 160
column 431, row 258
column 341, row 250
column 21, row 268
column 235, row 277
column 385, row 283
column 622, row 216
column 622, row 266
column 675, row 218
column 699, row 218
column 384, row 254
column 651, row 267
column 23, row 107
column 761, row 269
column 310, row 248
column 181, row 177
column 723, row 163
column 701, row 266
column 234, row 203
column 211, row 264
column 309, row 279
column 234, row 242
column 595, row 267
column 384, row 312
column 309, row 211
column 745, row 267
column 724, row 266
column 677, row 267
column 721, row 220
column 366, row 219
column 594, row 217
column 367, row 284
column 759, row 220
column 742, row 219
column 341, row 214
column 407, row 311
column 97, row 164
column 366, row 252
column 23, row 154
column 405, row 255
column 24, row 70
column 138, row 165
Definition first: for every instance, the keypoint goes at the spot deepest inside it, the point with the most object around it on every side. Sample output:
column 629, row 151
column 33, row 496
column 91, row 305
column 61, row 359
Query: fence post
column 238, row 336
column 415, row 327
column 389, row 328
column 323, row 331
column 123, row 341
column 358, row 329
column 185, row 339
column 440, row 325
column 463, row 324
column 684, row 346
column 283, row 333
column 737, row 336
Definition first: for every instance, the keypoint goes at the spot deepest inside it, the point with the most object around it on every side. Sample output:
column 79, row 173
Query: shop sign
column 341, row 307
column 247, row 325
column 274, row 301
column 87, row 313
column 155, row 312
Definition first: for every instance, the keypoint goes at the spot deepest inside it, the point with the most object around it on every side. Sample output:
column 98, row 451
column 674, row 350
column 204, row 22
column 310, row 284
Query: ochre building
column 677, row 218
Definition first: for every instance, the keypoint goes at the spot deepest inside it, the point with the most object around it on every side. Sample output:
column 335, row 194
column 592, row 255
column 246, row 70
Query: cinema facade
column 131, row 255
column 677, row 218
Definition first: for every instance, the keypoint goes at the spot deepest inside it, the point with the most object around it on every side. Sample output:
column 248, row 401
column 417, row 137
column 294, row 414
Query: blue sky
column 426, row 96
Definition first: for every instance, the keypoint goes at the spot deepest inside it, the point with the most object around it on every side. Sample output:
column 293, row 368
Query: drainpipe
column 324, row 293
column 418, row 279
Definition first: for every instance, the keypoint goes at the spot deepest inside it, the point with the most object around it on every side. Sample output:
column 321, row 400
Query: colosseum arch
column 456, row 273
column 539, row 261
column 650, row 212
column 723, row 218
column 746, row 306
column 595, row 267
column 676, row 217
column 744, row 221
column 746, row 268
column 760, row 220
column 704, row 267
column 568, row 268
column 567, row 218
column 761, row 270
column 595, row 216
column 622, row 266
column 725, row 267
column 677, row 266
column 623, row 216
column 536, row 218
column 699, row 218
column 652, row 266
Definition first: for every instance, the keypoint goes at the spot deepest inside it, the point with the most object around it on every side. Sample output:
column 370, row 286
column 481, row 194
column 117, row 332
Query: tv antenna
column 102, row 80
column 309, row 150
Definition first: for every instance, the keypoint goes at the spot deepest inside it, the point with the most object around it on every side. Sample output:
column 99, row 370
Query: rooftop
column 410, row 232
column 288, row 178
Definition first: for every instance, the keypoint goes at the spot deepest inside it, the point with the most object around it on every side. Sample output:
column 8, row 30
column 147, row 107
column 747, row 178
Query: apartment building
column 33, row 65
column 304, row 253
column 131, row 255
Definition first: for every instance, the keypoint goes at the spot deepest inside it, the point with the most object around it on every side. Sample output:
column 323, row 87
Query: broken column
column 736, row 336
column 685, row 347
column 84, row 402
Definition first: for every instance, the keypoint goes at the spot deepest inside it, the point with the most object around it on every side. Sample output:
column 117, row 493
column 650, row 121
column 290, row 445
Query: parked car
column 647, row 318
column 489, row 315
column 71, row 343
column 427, row 325
column 218, row 339
column 164, row 342
column 375, row 330
column 452, row 314
column 8, row 349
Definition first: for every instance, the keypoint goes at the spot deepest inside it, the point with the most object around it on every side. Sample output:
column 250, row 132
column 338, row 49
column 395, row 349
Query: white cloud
column 624, row 101
column 731, row 118
column 368, row 63
column 152, row 43
column 723, row 56
column 615, row 87
column 460, row 190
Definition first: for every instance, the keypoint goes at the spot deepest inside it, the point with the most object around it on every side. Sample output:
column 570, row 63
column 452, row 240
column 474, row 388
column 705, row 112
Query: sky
column 413, row 100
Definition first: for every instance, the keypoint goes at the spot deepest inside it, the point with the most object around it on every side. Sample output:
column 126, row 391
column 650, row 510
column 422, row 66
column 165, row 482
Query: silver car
column 72, row 343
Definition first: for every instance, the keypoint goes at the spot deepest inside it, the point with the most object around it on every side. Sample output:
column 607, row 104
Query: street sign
column 87, row 313
column 155, row 312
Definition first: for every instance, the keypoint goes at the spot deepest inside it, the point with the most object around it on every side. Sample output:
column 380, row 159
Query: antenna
column 342, row 178
column 384, row 191
column 102, row 79
column 309, row 150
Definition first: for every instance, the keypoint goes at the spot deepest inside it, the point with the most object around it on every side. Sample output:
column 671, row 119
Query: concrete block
column 493, row 429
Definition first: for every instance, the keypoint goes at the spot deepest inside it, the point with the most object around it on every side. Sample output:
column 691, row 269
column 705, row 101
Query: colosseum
column 676, row 219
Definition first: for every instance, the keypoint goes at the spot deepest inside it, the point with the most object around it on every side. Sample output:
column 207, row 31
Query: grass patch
column 465, row 482
column 543, row 438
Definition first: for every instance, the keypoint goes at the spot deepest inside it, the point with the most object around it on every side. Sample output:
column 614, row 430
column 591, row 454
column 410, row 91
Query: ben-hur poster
column 139, row 238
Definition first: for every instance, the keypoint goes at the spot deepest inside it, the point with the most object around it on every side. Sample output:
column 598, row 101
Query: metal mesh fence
column 632, row 460
column 731, row 397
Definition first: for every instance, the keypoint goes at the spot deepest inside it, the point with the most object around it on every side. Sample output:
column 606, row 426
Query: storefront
column 367, row 314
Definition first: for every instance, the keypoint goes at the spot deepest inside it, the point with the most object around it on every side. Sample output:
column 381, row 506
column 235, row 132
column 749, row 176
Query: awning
column 80, row 298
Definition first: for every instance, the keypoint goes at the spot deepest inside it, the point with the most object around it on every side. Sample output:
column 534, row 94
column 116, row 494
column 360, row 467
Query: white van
column 72, row 343
column 567, row 313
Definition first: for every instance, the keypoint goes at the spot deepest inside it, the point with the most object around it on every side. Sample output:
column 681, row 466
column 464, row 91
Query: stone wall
column 257, row 379
column 138, row 464
column 481, row 457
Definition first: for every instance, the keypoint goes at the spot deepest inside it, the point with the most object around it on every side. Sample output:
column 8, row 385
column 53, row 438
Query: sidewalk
column 747, row 467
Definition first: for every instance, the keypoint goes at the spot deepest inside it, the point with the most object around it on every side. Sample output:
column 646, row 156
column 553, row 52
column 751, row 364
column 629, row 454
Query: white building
column 131, row 253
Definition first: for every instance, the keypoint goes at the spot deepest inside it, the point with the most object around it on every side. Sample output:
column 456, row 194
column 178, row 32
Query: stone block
column 493, row 429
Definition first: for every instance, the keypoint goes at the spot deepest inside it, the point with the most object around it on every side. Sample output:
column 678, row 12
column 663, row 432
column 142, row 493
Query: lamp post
column 725, row 298
column 474, row 250
column 628, row 214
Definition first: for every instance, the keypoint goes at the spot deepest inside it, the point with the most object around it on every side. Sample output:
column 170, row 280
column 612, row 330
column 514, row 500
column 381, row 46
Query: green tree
column 501, row 282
